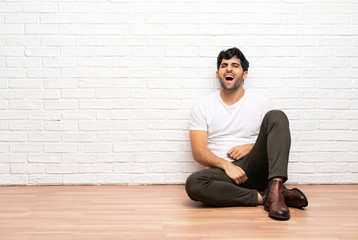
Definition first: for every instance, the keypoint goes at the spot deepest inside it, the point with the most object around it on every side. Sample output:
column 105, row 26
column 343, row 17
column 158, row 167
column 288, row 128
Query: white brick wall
column 99, row 92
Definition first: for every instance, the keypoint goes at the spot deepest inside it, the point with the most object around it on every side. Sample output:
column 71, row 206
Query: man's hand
column 235, row 173
column 240, row 151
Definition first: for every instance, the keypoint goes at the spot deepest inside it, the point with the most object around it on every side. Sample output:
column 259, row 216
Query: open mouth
column 229, row 77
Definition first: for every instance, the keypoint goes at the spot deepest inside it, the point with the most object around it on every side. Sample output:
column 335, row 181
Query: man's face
column 231, row 74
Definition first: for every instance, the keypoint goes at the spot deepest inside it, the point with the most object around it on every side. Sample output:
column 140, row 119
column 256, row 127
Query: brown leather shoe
column 295, row 198
column 275, row 202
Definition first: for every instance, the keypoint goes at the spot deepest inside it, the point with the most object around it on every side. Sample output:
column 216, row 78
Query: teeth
column 229, row 77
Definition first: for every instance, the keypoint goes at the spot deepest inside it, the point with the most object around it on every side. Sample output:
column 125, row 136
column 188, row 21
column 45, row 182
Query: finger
column 232, row 155
column 230, row 152
column 237, row 156
column 244, row 179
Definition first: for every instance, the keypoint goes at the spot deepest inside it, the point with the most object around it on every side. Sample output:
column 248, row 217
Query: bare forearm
column 209, row 159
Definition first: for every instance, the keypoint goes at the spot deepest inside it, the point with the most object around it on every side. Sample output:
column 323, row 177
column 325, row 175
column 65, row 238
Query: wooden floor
column 165, row 212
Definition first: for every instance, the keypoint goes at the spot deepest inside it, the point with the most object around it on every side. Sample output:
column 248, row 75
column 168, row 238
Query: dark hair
column 233, row 52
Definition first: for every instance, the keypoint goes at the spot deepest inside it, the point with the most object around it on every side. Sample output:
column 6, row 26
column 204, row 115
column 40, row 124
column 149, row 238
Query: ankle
column 260, row 199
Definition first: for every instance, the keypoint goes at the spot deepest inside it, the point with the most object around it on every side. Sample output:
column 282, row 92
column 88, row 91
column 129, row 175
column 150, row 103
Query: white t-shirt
column 229, row 126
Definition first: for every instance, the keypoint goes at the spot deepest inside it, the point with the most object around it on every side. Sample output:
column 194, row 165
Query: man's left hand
column 240, row 151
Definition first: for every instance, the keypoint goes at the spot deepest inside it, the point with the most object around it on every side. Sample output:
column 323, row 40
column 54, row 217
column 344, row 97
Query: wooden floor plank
column 165, row 212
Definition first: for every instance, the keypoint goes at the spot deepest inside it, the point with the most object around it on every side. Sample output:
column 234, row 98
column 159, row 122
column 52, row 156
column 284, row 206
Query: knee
column 192, row 185
column 277, row 117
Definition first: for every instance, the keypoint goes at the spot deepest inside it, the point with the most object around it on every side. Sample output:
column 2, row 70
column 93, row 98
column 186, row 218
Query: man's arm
column 204, row 156
column 240, row 151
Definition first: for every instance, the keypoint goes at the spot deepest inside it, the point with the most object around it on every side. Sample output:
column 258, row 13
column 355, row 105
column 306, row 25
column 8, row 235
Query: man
column 244, row 143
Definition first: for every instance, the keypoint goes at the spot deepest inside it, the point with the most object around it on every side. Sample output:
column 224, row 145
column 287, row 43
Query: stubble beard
column 236, row 85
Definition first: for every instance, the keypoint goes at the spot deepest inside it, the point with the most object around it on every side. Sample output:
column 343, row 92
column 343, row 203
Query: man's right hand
column 235, row 173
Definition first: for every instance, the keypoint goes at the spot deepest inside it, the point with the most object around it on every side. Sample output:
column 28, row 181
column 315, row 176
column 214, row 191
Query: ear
column 217, row 74
column 244, row 75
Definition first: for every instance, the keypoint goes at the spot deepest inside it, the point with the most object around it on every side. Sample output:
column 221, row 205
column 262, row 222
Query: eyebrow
column 231, row 63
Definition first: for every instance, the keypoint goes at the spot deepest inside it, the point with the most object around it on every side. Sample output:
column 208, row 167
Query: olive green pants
column 267, row 159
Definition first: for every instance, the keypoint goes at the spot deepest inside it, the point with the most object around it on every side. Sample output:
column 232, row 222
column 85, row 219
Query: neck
column 230, row 98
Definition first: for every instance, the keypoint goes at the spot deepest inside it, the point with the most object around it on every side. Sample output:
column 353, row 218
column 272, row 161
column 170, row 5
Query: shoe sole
column 274, row 216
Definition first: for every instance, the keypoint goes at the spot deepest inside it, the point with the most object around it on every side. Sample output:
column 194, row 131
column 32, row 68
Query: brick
column 111, row 51
column 76, row 179
column 71, row 158
column 112, row 115
column 149, row 157
column 60, row 104
column 78, row 137
column 26, row 147
column 96, row 147
column 44, row 158
column 56, row 18
column 42, row 52
column 112, row 73
column 44, row 115
column 12, row 115
column 148, row 136
column 41, row 29
column 112, row 93
column 43, row 137
column 23, row 40
column 13, row 137
column 77, row 72
column 23, row 62
column 43, row 94
column 124, row 125
column 14, row 7
column 112, row 137
column 78, row 93
column 21, row 18
column 13, row 157
column 147, row 179
column 11, row 179
column 12, row 73
column 42, row 73
column 95, row 168
column 40, row 7
column 25, row 126
column 96, row 126
column 129, row 147
column 13, row 29
column 121, row 179
column 44, row 180
column 25, row 84
column 61, row 168
column 63, row 125
column 60, row 148
column 94, row 62
column 92, row 29
column 95, row 104
column 96, row 83
column 77, row 51
column 79, row 115
column 113, row 158
column 58, row 41
column 4, row 147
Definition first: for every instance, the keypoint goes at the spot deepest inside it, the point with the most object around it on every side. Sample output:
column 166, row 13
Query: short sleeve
column 198, row 118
